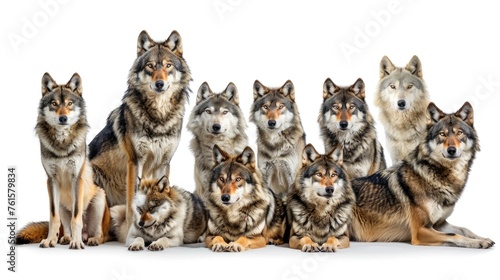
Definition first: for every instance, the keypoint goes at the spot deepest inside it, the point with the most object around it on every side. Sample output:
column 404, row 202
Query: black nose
column 63, row 119
column 343, row 124
column 329, row 190
column 401, row 103
column 225, row 198
column 159, row 84
column 271, row 123
column 452, row 151
column 141, row 223
column 216, row 127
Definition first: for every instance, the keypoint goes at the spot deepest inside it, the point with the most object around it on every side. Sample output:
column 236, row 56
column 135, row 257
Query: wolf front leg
column 77, row 212
column 216, row 243
column 55, row 220
column 244, row 243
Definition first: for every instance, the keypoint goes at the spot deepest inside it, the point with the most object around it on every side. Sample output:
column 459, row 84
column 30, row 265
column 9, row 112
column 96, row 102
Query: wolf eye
column 70, row 103
column 281, row 106
column 265, row 107
column 319, row 175
column 392, row 86
column 336, row 107
column 139, row 210
column 409, row 86
column 221, row 179
column 149, row 65
column 460, row 132
column 442, row 134
column 238, row 179
column 169, row 65
column 333, row 175
column 352, row 106
column 225, row 112
column 208, row 111
column 151, row 209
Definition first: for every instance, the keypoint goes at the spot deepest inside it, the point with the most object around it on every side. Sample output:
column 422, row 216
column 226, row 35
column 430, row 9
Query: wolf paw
column 76, row 244
column 311, row 248
column 135, row 247
column 48, row 243
column 219, row 247
column 155, row 246
column 65, row 240
column 93, row 241
column 486, row 243
column 235, row 247
column 330, row 248
column 277, row 241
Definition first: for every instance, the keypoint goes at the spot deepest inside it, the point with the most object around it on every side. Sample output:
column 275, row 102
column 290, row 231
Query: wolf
column 344, row 119
column 320, row 207
column 215, row 119
column 142, row 134
column 242, row 213
column 410, row 201
column 280, row 135
column 402, row 99
column 164, row 216
column 78, row 210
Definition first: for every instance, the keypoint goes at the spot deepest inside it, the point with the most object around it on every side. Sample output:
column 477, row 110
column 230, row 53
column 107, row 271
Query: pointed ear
column 174, row 43
column 358, row 88
column 162, row 183
column 231, row 93
column 309, row 154
column 329, row 88
column 75, row 84
column 48, row 84
column 386, row 67
column 415, row 66
column 434, row 114
column 259, row 90
column 219, row 155
column 288, row 90
column 144, row 43
column 337, row 154
column 247, row 157
column 466, row 113
column 204, row 92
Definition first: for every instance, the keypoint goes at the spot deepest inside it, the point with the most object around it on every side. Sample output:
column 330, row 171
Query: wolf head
column 401, row 89
column 62, row 105
column 151, row 202
column 273, row 109
column 321, row 175
column 451, row 136
column 159, row 67
column 343, row 108
column 233, row 177
column 217, row 113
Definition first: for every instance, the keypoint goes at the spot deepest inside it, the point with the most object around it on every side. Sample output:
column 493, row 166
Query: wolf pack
column 117, row 187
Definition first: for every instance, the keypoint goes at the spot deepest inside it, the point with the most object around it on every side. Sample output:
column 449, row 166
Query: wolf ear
column 259, row 90
column 329, row 88
column 415, row 66
column 337, row 154
column 466, row 113
column 231, row 93
column 174, row 43
column 48, row 84
column 358, row 88
column 204, row 92
column 309, row 154
column 434, row 114
column 144, row 43
column 288, row 90
column 386, row 67
column 219, row 155
column 162, row 183
column 75, row 84
column 247, row 157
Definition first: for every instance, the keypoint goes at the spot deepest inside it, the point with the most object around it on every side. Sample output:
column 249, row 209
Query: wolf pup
column 410, row 201
column 242, row 213
column 344, row 119
column 164, row 217
column 141, row 135
column 321, row 205
column 280, row 135
column 75, row 202
column 215, row 119
column 402, row 99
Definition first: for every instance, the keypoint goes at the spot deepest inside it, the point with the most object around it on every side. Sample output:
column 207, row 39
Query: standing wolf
column 141, row 136
column 74, row 199
column 344, row 120
column 410, row 201
column 402, row 99
column 280, row 135
column 215, row 119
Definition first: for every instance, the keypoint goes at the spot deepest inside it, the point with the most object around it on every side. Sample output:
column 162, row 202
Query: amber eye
column 70, row 103
column 225, row 112
column 336, row 107
column 169, row 65
column 265, row 107
column 442, row 134
column 333, row 175
column 53, row 103
column 238, row 179
column 221, row 179
column 409, row 86
column 460, row 132
column 150, row 65
column 281, row 106
column 208, row 111
column 319, row 175
column 392, row 86
column 352, row 106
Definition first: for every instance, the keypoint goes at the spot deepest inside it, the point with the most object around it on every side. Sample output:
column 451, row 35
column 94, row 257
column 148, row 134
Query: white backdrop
column 240, row 41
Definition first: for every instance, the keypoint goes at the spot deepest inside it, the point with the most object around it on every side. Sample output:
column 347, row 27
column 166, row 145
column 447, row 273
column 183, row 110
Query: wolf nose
column 141, row 223
column 159, row 84
column 343, row 124
column 63, row 119
column 216, row 127
column 225, row 198
column 329, row 190
column 452, row 151
column 401, row 103
column 271, row 123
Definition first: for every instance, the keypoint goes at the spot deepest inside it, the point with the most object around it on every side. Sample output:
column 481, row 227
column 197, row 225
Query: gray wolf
column 320, row 207
column 78, row 210
column 410, row 201
column 402, row 98
column 280, row 135
column 164, row 216
column 142, row 134
column 242, row 213
column 344, row 119
column 215, row 119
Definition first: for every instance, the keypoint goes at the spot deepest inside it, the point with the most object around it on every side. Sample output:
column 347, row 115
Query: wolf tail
column 33, row 232
column 118, row 228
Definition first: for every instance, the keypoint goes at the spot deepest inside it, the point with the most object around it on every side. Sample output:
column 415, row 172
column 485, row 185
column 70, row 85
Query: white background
column 240, row 41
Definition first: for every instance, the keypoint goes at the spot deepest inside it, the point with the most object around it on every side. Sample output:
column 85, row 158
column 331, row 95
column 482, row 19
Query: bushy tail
column 33, row 232
column 118, row 228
